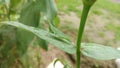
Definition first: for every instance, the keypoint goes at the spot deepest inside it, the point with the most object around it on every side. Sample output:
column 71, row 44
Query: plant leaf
column 42, row 5
column 43, row 44
column 45, row 35
column 51, row 10
column 48, row 8
column 28, row 16
column 100, row 52
column 57, row 32
column 31, row 18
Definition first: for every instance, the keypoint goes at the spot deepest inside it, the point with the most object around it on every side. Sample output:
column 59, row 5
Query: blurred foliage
column 14, row 42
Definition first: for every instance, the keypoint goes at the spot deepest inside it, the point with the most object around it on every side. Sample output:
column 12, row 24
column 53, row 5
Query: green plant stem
column 80, row 33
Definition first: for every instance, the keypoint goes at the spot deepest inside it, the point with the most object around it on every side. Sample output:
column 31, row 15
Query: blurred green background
column 103, row 23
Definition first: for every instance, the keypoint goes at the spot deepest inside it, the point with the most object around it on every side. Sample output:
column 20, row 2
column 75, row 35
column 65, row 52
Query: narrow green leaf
column 100, row 52
column 45, row 35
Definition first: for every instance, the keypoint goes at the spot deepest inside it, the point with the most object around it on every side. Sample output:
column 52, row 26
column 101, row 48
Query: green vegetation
column 18, row 27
